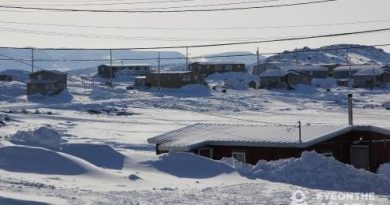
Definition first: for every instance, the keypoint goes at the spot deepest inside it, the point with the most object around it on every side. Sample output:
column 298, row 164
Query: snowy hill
column 97, row 57
column 236, row 58
column 334, row 54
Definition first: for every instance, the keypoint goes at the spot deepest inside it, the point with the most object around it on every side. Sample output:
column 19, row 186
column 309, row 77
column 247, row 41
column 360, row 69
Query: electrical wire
column 163, row 11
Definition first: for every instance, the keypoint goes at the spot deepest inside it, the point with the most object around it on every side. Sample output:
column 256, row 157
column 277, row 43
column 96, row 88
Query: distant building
column 207, row 68
column 47, row 82
column 316, row 71
column 369, row 78
column 108, row 71
column 347, row 71
column 283, row 78
column 7, row 78
column 174, row 79
column 365, row 147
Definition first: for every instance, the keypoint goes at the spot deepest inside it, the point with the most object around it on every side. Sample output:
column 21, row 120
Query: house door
column 360, row 156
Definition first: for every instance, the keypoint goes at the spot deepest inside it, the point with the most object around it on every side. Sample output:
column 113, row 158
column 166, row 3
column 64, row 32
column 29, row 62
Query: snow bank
column 98, row 155
column 315, row 171
column 37, row 160
column 9, row 91
column 42, row 137
column 11, row 201
column 385, row 170
column 187, row 165
column 63, row 97
column 233, row 80
column 102, row 93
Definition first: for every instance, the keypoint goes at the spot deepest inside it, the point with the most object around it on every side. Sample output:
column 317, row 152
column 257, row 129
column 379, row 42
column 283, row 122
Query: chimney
column 350, row 113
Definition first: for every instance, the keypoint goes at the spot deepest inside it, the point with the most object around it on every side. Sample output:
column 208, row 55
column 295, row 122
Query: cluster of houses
column 270, row 75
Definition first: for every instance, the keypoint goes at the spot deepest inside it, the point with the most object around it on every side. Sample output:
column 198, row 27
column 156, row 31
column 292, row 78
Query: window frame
column 237, row 152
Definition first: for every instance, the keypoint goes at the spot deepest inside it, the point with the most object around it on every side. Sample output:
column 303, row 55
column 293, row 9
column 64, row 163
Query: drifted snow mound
column 63, row 97
column 102, row 93
column 10, row 201
column 11, row 90
column 233, row 80
column 385, row 170
column 187, row 165
column 42, row 137
column 315, row 171
column 37, row 160
column 98, row 155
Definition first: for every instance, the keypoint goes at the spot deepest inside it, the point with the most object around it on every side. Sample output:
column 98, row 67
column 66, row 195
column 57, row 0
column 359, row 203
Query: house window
column 229, row 67
column 206, row 152
column 218, row 68
column 239, row 156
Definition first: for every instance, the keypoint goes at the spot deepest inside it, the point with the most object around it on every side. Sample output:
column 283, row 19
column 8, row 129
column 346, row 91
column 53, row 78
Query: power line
column 230, row 44
column 200, row 57
column 171, row 7
column 197, row 28
column 163, row 11
column 20, row 61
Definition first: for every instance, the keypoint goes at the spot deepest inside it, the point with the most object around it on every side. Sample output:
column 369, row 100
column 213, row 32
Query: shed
column 283, row 77
column 362, row 146
column 173, row 79
column 126, row 70
column 347, row 71
column 369, row 78
column 47, row 82
column 6, row 78
column 205, row 69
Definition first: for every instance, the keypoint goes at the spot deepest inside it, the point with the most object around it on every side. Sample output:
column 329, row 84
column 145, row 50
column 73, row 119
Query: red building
column 362, row 146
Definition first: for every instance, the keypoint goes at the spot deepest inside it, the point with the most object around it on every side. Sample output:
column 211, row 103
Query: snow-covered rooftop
column 198, row 135
column 125, row 65
column 217, row 63
column 50, row 71
column 371, row 72
column 305, row 67
column 356, row 67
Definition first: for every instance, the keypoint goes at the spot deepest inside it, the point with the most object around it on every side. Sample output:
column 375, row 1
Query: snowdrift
column 45, row 137
column 9, row 91
column 186, row 165
column 63, row 97
column 11, row 201
column 98, row 155
column 315, row 171
column 104, row 93
column 385, row 170
column 37, row 160
column 233, row 80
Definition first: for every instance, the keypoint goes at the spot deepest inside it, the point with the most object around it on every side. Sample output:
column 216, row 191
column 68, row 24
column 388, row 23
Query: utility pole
column 187, row 59
column 300, row 131
column 258, row 60
column 111, row 80
column 32, row 60
column 158, row 72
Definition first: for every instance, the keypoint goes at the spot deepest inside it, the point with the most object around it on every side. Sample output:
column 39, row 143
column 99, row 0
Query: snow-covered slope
column 333, row 54
column 236, row 57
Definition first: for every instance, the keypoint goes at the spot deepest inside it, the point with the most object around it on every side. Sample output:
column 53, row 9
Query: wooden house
column 175, row 79
column 347, row 71
column 207, row 68
column 369, row 78
column 316, row 71
column 363, row 146
column 6, row 78
column 47, row 82
column 114, row 71
column 283, row 78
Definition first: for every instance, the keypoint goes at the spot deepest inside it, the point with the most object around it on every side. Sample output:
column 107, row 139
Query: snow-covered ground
column 99, row 154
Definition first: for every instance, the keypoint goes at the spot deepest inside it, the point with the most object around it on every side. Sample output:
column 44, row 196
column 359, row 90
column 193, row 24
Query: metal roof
column 371, row 72
column 199, row 135
column 356, row 67
column 49, row 71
